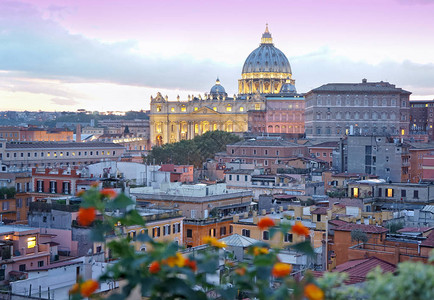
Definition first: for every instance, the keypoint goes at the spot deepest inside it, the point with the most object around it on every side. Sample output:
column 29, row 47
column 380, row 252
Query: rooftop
column 364, row 86
column 359, row 268
column 236, row 240
column 264, row 142
column 15, row 228
column 61, row 145
column 362, row 227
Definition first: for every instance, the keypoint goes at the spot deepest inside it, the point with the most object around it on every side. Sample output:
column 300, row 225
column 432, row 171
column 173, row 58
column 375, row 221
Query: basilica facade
column 267, row 102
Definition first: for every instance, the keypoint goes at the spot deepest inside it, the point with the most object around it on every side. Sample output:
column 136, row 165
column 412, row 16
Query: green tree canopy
column 192, row 152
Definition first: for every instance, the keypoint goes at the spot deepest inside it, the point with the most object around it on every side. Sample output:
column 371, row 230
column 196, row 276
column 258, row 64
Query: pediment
column 205, row 110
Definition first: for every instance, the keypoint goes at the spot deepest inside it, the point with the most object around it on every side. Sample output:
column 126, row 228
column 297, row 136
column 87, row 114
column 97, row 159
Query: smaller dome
column 218, row 89
column 288, row 87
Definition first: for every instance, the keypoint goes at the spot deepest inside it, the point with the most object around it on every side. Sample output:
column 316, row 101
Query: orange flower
column 281, row 269
column 191, row 264
column 80, row 193
column 259, row 250
column 265, row 223
column 75, row 289
column 88, row 287
column 177, row 260
column 312, row 292
column 300, row 229
column 154, row 267
column 109, row 193
column 213, row 242
column 240, row 271
column 86, row 216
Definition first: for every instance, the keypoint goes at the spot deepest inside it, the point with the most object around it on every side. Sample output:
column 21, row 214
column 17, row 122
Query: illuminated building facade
column 267, row 101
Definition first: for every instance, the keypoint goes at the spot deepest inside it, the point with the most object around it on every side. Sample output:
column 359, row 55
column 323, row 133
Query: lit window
column 31, row 242
column 257, row 106
column 214, row 108
column 389, row 193
column 73, row 153
column 241, row 108
column 108, row 152
column 229, row 108
column 183, row 109
column 159, row 108
column 48, row 154
column 172, row 109
column 195, row 109
column 402, row 131
column 356, row 192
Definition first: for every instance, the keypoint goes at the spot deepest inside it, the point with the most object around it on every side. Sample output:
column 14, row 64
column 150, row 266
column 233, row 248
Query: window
column 222, row 230
column 22, row 267
column 156, row 232
column 266, row 152
column 166, row 230
column 238, row 177
column 241, row 108
column 265, row 162
column 230, row 177
column 265, row 235
column 19, row 202
column 389, row 193
column 212, row 232
column 229, row 108
column 318, row 218
column 254, row 151
column 245, row 232
column 183, row 108
column 288, row 237
column 40, row 263
column 403, row 193
column 245, row 178
column 257, row 106
column 231, row 229
column 172, row 109
column 214, row 108
column 31, row 242
column 416, row 194
column 5, row 205
column 355, row 192
column 189, row 233
column 176, row 228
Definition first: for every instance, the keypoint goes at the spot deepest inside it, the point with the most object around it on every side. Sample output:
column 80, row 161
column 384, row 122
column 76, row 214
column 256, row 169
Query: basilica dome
column 266, row 58
column 217, row 89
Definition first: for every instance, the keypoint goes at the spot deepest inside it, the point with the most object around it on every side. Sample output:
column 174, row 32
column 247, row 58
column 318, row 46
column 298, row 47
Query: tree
column 359, row 236
column 395, row 226
column 192, row 152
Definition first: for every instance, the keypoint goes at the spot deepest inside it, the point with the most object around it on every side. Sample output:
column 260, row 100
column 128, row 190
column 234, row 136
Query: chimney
column 78, row 133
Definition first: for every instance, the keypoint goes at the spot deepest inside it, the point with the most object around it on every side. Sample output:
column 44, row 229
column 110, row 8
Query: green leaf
column 228, row 293
column 120, row 202
column 304, row 247
column 99, row 231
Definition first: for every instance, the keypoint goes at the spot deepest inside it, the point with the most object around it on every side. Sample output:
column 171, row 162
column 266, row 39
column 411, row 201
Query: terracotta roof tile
column 362, row 227
column 429, row 242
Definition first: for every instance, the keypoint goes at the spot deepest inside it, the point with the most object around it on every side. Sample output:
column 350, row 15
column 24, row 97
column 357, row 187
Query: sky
column 113, row 55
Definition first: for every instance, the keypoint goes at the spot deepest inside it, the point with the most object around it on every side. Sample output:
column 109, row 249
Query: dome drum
column 266, row 69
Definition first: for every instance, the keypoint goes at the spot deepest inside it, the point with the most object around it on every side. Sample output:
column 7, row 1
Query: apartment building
column 51, row 154
column 269, row 153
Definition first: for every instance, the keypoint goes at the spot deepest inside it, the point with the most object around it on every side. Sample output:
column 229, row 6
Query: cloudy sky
column 113, row 55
